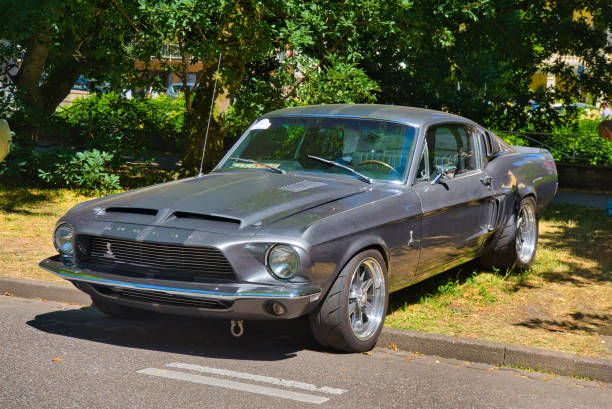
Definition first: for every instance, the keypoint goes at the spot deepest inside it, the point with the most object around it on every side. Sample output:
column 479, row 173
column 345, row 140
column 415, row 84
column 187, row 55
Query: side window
column 452, row 145
column 423, row 169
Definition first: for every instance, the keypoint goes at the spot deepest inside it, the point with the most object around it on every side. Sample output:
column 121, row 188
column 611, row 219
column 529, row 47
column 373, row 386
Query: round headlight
column 283, row 261
column 63, row 239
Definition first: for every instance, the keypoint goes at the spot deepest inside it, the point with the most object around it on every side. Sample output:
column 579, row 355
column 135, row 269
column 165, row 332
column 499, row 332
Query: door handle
column 486, row 180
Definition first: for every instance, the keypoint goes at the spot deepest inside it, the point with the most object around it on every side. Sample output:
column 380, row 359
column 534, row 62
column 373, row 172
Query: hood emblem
column 109, row 252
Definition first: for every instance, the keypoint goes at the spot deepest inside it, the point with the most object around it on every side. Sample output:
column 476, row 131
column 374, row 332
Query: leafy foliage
column 339, row 83
column 48, row 44
column 113, row 123
column 20, row 160
column 573, row 142
column 270, row 87
column 84, row 171
column 475, row 59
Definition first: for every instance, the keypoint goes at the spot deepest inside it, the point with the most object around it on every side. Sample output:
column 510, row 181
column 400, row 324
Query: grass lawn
column 562, row 303
column 27, row 219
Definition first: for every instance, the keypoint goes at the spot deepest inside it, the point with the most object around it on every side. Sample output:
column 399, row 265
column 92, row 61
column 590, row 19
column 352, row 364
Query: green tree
column 48, row 44
column 470, row 57
column 251, row 36
column 241, row 31
column 475, row 57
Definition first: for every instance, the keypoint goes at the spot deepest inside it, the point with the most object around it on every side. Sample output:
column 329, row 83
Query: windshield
column 375, row 148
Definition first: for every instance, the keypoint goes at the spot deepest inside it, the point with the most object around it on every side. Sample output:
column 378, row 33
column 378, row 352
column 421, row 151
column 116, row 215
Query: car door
column 457, row 209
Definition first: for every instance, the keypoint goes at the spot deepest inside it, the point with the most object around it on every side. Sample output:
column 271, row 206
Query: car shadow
column 585, row 233
column 431, row 286
column 203, row 337
column 586, row 236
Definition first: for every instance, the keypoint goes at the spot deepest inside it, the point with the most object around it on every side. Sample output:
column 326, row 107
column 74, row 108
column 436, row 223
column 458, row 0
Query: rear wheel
column 516, row 243
column 353, row 314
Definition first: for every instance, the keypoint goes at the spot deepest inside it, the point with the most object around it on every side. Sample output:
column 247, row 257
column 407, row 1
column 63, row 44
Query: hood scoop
column 207, row 217
column 132, row 210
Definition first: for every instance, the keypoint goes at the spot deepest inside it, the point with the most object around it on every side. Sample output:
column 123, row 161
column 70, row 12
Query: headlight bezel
column 274, row 272
column 60, row 247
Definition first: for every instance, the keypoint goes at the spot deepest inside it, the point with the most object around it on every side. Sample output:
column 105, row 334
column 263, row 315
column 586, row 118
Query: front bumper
column 228, row 300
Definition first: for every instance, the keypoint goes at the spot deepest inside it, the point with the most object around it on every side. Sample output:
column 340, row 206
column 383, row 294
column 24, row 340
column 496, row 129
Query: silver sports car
column 318, row 211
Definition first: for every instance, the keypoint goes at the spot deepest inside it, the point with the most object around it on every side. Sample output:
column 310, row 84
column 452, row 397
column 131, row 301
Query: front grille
column 163, row 298
column 154, row 260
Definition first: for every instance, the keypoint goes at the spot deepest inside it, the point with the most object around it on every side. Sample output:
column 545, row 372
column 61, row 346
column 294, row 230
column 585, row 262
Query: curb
column 43, row 289
column 498, row 353
column 446, row 346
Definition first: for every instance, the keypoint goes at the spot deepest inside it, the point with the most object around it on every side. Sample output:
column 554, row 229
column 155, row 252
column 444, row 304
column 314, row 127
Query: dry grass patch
column 27, row 219
column 562, row 303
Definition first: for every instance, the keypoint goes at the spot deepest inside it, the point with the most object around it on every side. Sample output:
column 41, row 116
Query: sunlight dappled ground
column 27, row 219
column 563, row 303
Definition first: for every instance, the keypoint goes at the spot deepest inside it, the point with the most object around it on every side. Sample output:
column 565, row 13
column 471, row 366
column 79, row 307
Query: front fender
column 328, row 268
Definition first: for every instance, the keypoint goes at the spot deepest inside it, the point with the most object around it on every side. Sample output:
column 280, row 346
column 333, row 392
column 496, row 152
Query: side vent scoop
column 210, row 217
column 132, row 210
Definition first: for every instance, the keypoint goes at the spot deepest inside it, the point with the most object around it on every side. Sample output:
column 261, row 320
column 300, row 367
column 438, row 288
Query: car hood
column 239, row 198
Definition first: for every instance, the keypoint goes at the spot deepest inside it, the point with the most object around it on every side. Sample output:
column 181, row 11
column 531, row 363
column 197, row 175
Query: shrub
column 84, row 171
column 111, row 123
column 19, row 160
column 572, row 141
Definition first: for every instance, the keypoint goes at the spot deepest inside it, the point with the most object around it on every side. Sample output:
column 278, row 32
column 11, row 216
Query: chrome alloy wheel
column 366, row 298
column 526, row 232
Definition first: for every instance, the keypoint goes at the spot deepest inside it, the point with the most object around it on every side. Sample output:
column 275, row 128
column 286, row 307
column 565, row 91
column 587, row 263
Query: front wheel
column 353, row 314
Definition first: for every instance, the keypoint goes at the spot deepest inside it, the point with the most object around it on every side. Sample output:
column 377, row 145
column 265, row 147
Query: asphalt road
column 58, row 355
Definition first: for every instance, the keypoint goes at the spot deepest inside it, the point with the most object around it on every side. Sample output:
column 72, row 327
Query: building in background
column 543, row 80
column 170, row 56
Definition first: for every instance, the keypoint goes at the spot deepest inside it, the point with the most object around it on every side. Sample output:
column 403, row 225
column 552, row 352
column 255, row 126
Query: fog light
column 275, row 308
column 278, row 309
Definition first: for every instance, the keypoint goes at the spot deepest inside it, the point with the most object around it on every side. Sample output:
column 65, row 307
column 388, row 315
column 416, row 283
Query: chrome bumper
column 247, row 300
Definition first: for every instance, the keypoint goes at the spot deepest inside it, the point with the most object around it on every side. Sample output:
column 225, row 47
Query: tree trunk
column 230, row 78
column 31, row 69
column 41, row 96
column 27, row 79
column 58, row 84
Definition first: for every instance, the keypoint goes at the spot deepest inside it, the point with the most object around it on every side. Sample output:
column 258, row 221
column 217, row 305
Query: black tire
column 116, row 310
column 331, row 322
column 505, row 247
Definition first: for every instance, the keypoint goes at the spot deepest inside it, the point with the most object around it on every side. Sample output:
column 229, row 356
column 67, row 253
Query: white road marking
column 258, row 378
column 224, row 383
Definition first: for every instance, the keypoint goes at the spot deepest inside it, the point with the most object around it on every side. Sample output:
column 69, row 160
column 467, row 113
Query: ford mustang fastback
column 317, row 211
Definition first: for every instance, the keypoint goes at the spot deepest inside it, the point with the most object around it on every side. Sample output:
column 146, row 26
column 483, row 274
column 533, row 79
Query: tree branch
column 186, row 89
column 323, row 58
column 125, row 15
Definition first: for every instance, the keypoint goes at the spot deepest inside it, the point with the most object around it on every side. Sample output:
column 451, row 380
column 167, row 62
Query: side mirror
column 443, row 171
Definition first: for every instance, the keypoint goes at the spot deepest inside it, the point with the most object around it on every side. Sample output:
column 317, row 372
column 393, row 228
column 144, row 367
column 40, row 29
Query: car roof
column 408, row 115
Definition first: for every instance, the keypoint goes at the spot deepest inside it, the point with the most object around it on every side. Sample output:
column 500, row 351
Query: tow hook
column 237, row 328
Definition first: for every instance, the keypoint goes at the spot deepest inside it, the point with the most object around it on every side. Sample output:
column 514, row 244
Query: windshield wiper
column 259, row 163
column 360, row 176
